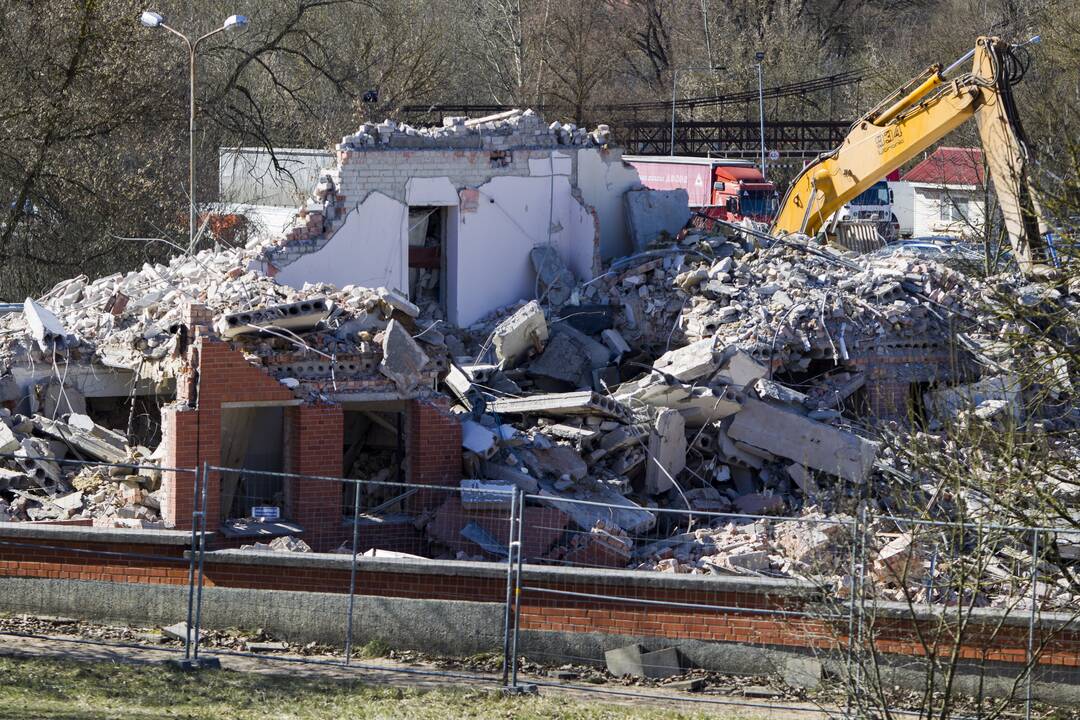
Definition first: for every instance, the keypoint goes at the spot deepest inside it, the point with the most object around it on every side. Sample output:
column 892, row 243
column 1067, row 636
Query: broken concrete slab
column 699, row 406
column 561, row 460
column 615, row 342
column 477, row 438
column 397, row 300
column 180, row 632
column 583, row 402
column 45, row 327
column 562, row 365
column 86, row 437
column 624, row 513
column 739, row 370
column 302, row 315
column 403, row 360
column 521, row 334
column 689, row 363
column 652, row 214
column 625, row 661
column 667, row 451
column 556, row 280
column 662, row 663
column 598, row 355
column 8, row 441
column 517, row 476
column 792, row 436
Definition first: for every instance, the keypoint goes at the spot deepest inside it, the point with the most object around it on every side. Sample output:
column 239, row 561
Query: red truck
column 720, row 187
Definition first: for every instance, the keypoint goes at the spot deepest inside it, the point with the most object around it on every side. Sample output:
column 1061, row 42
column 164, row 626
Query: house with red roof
column 942, row 195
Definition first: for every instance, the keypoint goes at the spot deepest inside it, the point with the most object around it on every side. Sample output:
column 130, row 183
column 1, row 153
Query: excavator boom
column 910, row 121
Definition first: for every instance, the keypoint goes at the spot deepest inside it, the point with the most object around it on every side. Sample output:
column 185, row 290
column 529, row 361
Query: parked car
column 936, row 247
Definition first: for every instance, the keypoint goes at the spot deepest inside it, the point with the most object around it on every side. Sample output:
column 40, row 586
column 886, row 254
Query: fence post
column 191, row 564
column 517, row 590
column 352, row 571
column 851, row 613
column 511, row 546
column 1031, row 626
column 857, row 601
column 202, row 554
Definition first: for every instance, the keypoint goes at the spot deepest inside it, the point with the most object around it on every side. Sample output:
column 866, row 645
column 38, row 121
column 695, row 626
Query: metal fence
column 871, row 601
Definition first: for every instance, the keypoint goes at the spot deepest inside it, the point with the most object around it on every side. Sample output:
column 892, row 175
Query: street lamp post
column 155, row 20
column 674, row 86
column 760, row 57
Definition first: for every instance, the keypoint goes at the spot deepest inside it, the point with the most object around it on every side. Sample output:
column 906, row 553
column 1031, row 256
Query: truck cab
column 721, row 188
column 875, row 204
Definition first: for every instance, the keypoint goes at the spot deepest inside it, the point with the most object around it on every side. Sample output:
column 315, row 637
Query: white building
column 452, row 214
column 942, row 195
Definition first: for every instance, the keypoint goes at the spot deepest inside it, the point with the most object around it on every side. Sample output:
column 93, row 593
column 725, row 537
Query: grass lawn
column 41, row 688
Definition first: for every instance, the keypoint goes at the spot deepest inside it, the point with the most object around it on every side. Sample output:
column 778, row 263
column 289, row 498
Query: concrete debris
column 716, row 371
column 655, row 214
column 667, row 451
column 303, row 315
column 403, row 361
column 814, row 444
column 556, row 280
column 285, row 543
column 35, row 483
column 45, row 327
column 522, row 334
column 513, row 128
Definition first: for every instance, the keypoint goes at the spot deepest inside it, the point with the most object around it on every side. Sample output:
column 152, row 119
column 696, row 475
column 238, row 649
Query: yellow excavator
column 912, row 119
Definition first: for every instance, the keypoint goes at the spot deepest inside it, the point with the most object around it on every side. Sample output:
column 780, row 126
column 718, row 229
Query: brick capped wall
column 140, row 562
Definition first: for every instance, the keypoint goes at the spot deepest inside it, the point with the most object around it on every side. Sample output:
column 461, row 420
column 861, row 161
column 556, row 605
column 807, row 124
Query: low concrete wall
column 457, row 628
column 453, row 628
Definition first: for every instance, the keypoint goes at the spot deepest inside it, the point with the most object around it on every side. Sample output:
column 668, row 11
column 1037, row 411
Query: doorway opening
column 427, row 255
column 252, row 439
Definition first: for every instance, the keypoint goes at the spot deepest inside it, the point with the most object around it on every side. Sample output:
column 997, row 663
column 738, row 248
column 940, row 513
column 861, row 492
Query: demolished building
column 423, row 209
column 722, row 371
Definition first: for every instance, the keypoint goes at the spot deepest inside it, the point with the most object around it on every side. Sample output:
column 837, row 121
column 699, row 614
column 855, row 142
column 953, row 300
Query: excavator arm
column 911, row 120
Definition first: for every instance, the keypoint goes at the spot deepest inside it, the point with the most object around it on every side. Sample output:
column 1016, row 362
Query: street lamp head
column 151, row 19
column 759, row 56
column 235, row 21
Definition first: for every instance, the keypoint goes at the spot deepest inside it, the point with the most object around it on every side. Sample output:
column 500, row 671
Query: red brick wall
column 433, row 449
column 314, row 447
column 154, row 564
column 193, row 436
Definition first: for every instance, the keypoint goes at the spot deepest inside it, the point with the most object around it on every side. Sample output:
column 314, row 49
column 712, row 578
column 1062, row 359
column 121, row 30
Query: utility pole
column 760, row 57
column 154, row 20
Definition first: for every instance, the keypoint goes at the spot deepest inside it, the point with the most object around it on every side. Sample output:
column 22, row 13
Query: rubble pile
column 714, row 373
column 513, row 128
column 36, row 483
column 785, row 302
column 313, row 341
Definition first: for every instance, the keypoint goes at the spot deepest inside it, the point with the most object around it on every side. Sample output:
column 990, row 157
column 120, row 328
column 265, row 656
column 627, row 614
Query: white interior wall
column 369, row 249
column 489, row 266
column 603, row 177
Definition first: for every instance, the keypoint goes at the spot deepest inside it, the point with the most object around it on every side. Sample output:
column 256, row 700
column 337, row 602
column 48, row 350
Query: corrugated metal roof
column 949, row 166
